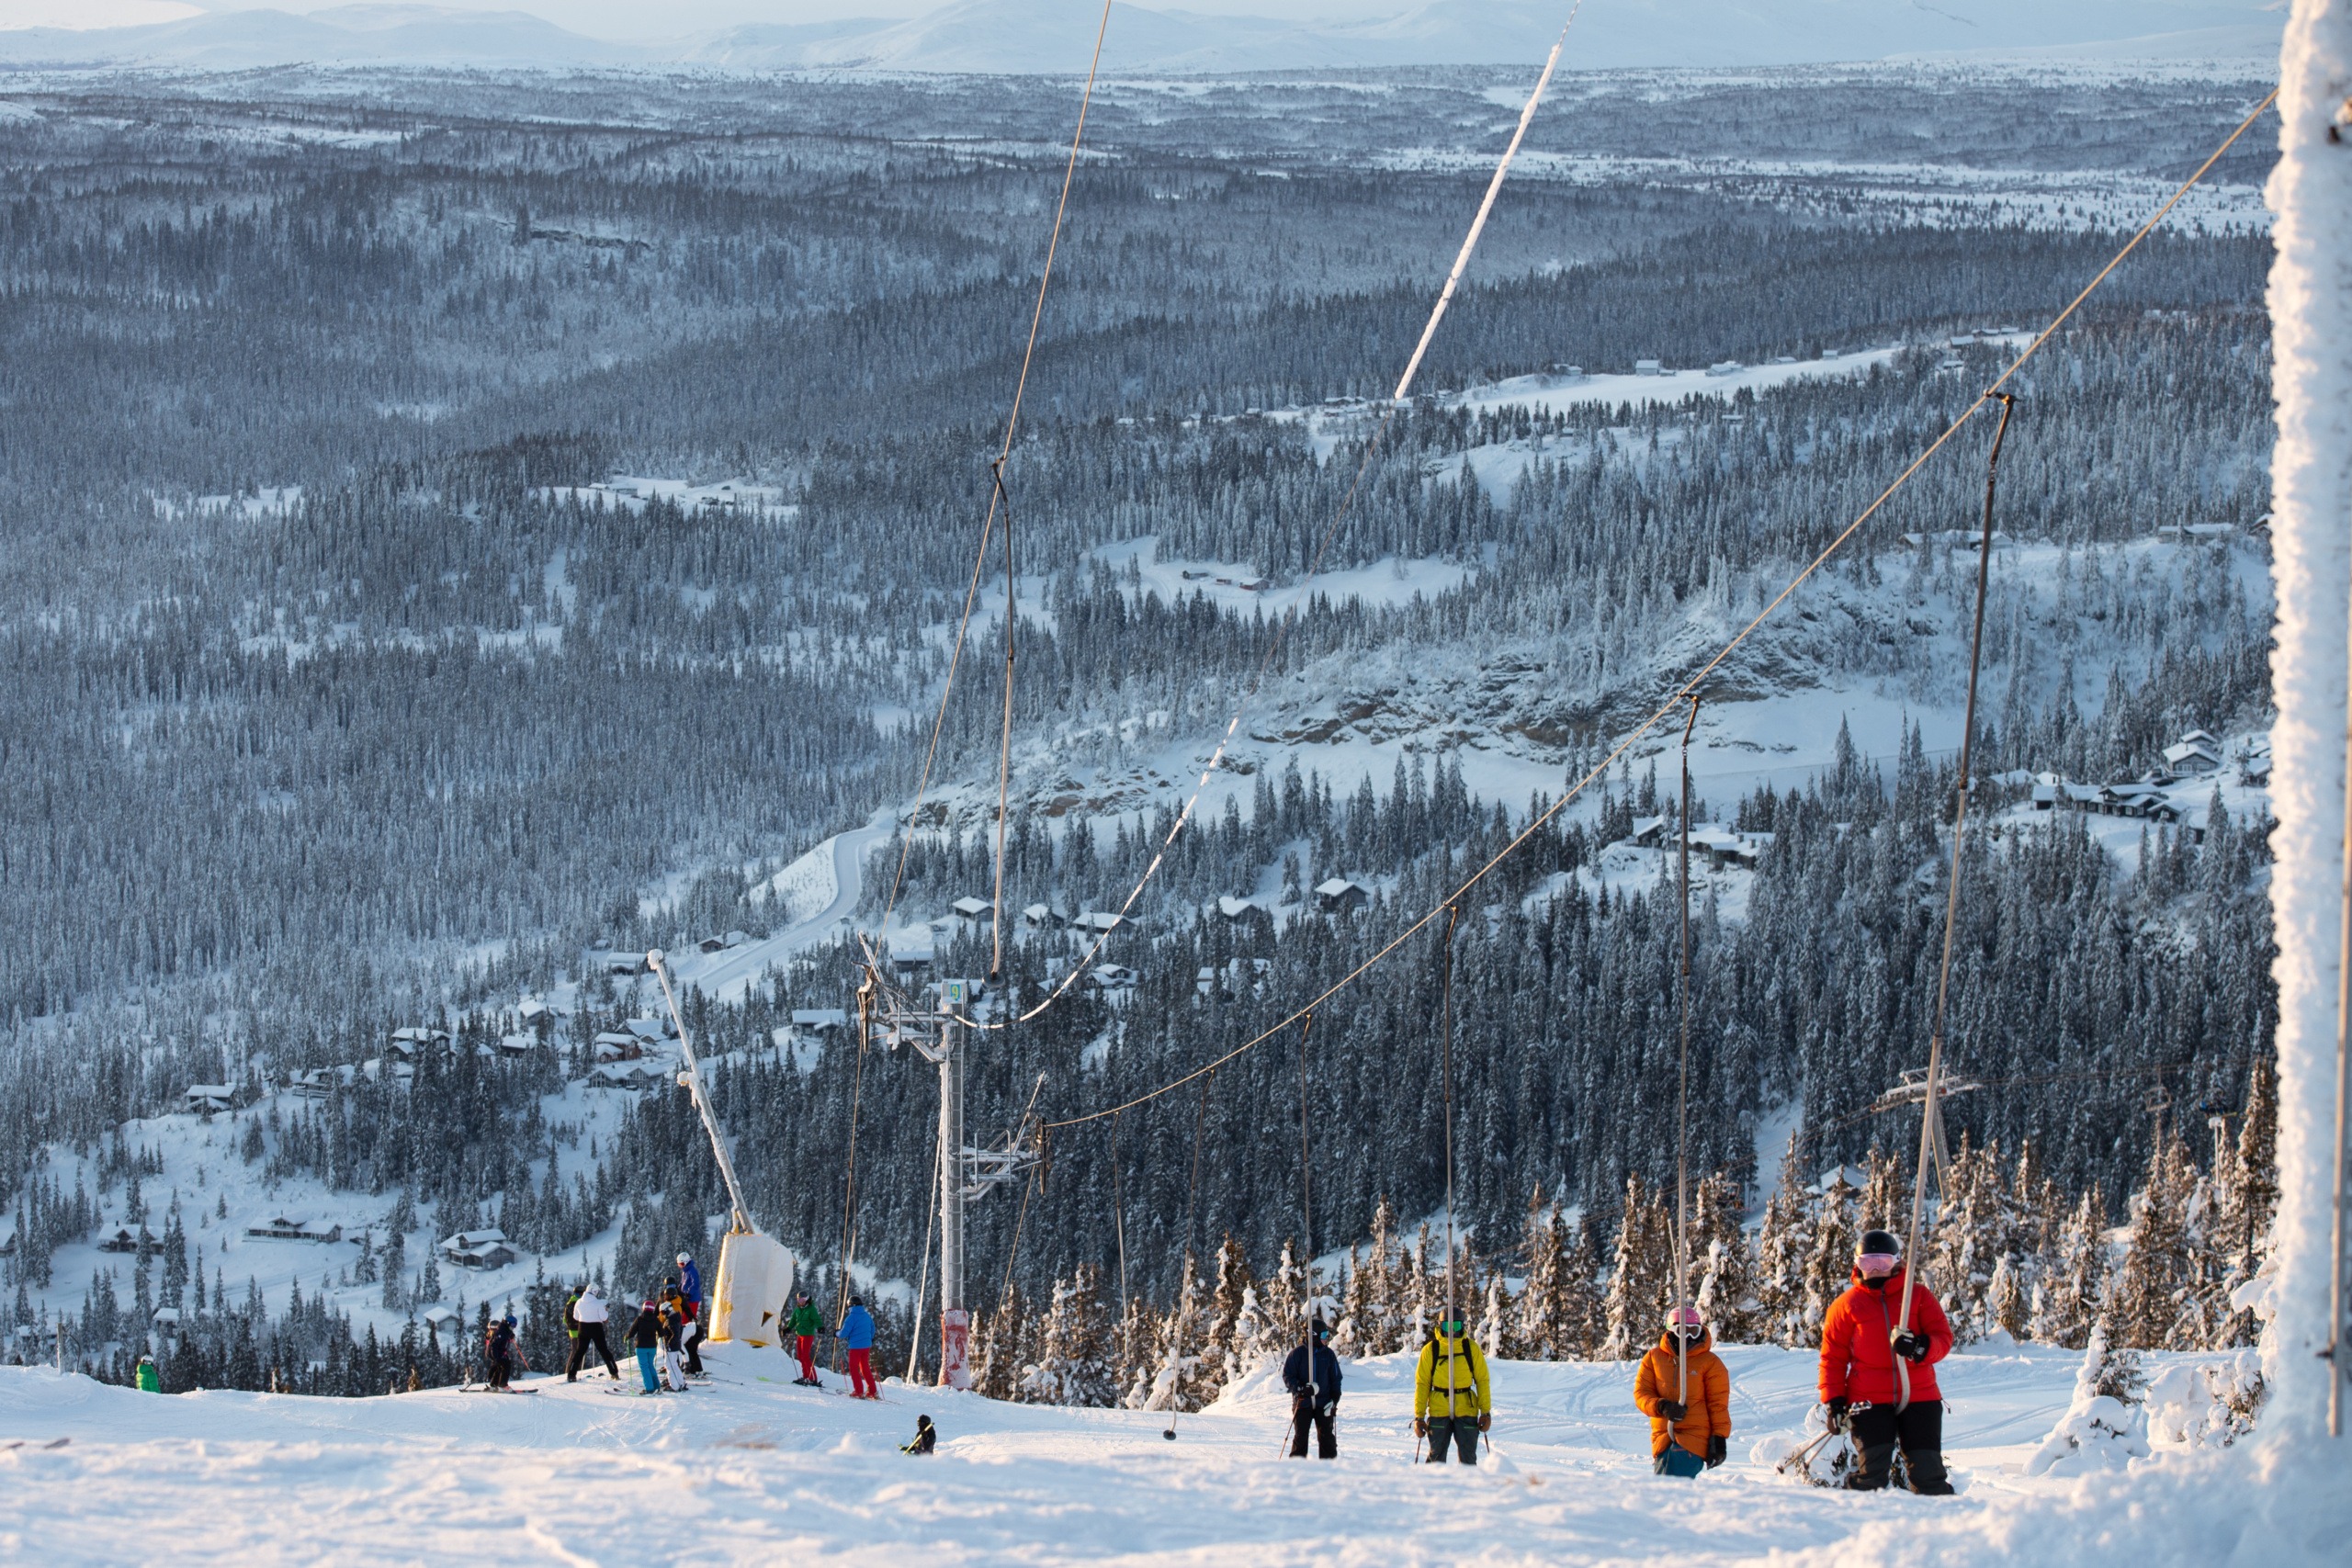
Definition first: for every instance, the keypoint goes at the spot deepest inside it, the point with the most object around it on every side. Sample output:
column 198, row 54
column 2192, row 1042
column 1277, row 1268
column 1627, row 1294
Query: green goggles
column 1451, row 1327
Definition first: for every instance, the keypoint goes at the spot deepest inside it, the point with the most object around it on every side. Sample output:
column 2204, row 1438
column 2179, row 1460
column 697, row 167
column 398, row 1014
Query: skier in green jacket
column 806, row 1324
column 148, row 1381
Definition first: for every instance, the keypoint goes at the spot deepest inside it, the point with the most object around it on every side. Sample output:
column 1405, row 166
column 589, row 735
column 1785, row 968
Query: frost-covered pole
column 2311, row 308
column 954, row 1317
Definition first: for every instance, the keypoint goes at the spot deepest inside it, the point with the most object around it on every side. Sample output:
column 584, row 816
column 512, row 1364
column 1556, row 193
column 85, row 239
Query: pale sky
column 628, row 18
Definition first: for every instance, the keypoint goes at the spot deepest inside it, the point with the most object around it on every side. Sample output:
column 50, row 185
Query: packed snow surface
column 748, row 1468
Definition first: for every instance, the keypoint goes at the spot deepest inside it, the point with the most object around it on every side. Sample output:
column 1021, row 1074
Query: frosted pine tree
column 2246, row 1196
column 1134, row 1340
column 1074, row 1360
column 1233, row 1321
column 1783, row 1248
column 2154, row 1289
column 1282, row 1302
column 1829, row 1259
column 1641, row 1275
column 1965, row 1241
column 1723, row 1272
column 2073, row 1284
column 1535, row 1330
column 1178, row 1371
column 1492, row 1330
column 1577, row 1323
column 1366, row 1325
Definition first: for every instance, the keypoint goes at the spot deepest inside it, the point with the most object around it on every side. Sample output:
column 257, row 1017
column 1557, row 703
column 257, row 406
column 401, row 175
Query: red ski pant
column 805, row 1347
column 861, row 1375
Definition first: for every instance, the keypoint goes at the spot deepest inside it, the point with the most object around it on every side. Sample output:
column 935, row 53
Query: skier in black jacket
column 1313, row 1385
column 645, row 1337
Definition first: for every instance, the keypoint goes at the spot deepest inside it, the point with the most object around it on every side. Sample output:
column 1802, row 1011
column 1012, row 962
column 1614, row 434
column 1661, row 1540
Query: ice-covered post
column 954, row 1317
column 2311, row 308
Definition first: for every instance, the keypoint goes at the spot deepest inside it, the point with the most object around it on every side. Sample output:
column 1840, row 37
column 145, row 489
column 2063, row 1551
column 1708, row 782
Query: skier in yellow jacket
column 1452, row 1398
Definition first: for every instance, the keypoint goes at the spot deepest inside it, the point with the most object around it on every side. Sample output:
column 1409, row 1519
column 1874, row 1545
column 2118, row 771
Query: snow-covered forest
column 382, row 644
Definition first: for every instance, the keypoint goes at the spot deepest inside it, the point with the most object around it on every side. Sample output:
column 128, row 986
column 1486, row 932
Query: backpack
column 571, row 1320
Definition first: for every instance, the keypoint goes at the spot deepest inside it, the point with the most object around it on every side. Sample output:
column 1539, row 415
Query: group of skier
column 1880, row 1344
column 666, row 1333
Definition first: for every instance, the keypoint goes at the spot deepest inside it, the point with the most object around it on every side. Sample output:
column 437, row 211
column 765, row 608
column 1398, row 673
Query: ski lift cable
column 1311, row 1308
column 1930, row 1114
column 1739, row 639
column 1446, row 1077
column 1278, row 634
column 997, row 493
column 922, row 1280
column 1682, row 1101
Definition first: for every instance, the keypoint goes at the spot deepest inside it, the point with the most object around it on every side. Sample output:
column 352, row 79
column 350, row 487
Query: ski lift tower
column 938, row 1034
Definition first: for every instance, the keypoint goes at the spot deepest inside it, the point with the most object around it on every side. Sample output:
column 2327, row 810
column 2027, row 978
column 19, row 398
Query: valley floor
column 748, row 1468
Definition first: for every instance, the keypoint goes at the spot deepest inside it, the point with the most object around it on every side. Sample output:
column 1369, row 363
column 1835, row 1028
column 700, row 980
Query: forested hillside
column 361, row 675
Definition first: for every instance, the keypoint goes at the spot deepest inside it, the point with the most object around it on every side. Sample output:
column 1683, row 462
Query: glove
column 1837, row 1408
column 1912, row 1347
column 1673, row 1409
column 1421, row 1428
column 1718, row 1450
column 1485, row 1423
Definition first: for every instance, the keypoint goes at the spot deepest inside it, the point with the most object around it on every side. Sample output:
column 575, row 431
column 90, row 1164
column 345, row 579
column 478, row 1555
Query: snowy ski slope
column 749, row 1469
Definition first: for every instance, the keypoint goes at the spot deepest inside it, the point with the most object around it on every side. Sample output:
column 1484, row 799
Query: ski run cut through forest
column 1005, row 796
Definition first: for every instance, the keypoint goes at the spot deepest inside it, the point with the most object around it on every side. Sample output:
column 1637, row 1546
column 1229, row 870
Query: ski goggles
column 1874, row 1264
column 1451, row 1325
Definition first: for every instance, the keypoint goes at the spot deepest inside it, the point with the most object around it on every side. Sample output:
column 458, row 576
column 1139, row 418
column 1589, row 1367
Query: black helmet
column 1883, row 1242
column 1321, row 1329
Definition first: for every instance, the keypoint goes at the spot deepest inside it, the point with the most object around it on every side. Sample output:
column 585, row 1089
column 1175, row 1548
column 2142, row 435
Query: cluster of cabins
column 2196, row 755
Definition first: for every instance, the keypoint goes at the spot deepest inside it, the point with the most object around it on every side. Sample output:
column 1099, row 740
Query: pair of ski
column 38, row 1448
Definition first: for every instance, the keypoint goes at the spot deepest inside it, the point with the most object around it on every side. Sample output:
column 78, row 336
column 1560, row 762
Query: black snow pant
column 1320, row 1418
column 589, row 1333
column 1880, row 1429
column 693, row 1340
column 1461, row 1431
column 501, row 1369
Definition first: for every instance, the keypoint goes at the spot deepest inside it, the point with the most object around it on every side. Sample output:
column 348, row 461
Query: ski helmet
column 1686, row 1321
column 684, row 1260
column 1878, row 1253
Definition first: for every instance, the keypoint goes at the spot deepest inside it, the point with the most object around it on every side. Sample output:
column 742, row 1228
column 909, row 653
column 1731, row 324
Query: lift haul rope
column 1930, row 1117
column 1682, row 694
column 1280, row 629
column 997, row 494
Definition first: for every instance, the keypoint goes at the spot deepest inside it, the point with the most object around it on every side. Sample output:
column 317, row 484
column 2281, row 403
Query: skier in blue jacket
column 857, row 1334
column 690, row 1293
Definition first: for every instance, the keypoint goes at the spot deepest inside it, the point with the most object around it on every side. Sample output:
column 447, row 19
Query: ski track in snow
column 744, row 1470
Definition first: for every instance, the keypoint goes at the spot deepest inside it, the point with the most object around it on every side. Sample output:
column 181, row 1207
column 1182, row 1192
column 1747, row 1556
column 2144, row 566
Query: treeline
column 2006, row 1256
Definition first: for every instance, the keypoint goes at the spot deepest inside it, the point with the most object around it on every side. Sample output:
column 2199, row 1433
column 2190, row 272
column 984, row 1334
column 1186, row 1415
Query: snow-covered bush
column 2106, row 1425
column 2197, row 1405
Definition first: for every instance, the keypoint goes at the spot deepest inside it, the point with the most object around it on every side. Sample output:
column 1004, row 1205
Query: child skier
column 673, row 1330
column 645, row 1336
column 806, row 1324
column 926, row 1438
column 1879, row 1381
column 1453, row 1370
column 1699, row 1423
column 498, row 1351
column 857, row 1334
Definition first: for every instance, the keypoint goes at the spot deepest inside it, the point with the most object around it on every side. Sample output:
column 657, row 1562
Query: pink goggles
column 1873, row 1264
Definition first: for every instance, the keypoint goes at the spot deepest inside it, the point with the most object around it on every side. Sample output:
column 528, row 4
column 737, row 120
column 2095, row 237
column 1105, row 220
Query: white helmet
column 684, row 1260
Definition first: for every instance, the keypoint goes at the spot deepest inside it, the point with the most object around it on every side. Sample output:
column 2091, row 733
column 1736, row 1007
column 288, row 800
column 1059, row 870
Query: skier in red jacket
column 1878, row 1381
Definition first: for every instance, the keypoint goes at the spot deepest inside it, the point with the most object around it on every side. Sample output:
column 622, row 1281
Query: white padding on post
column 754, row 1284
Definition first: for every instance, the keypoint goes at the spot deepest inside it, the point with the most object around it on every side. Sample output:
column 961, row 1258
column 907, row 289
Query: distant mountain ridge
column 1023, row 37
